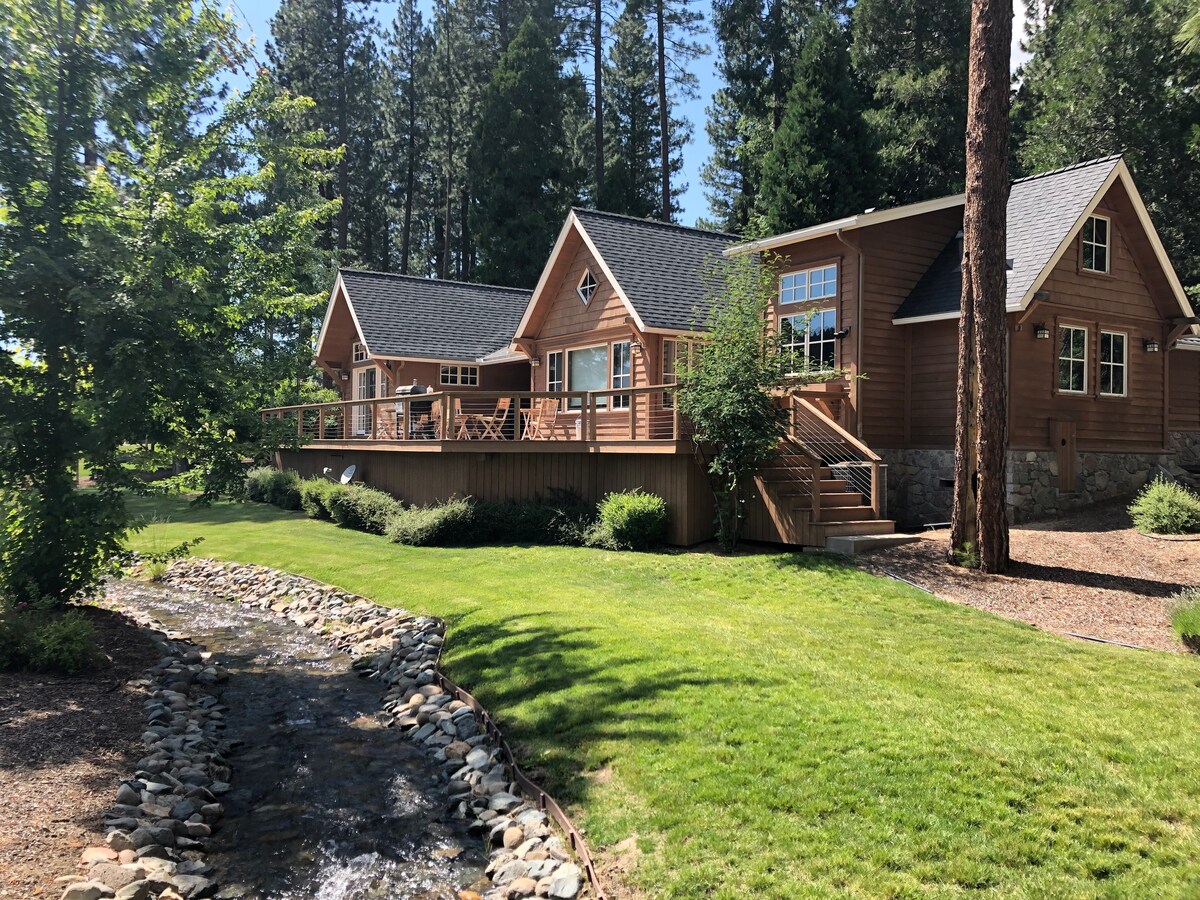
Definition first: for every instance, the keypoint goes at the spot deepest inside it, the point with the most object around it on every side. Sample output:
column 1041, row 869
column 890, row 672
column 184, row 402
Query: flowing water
column 326, row 803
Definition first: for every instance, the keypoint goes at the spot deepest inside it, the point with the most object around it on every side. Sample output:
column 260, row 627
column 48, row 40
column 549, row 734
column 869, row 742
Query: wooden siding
column 562, row 316
column 1184, row 368
column 423, row 478
column 340, row 335
column 929, row 400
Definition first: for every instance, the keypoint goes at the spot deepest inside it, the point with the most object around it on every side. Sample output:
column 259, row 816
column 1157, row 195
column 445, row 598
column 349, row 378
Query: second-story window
column 358, row 352
column 811, row 284
column 1097, row 234
column 622, row 372
column 811, row 338
column 554, row 371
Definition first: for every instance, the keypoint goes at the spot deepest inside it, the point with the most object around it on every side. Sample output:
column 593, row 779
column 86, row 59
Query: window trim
column 579, row 288
column 358, row 352
column 808, row 335
column 1123, row 365
column 1107, row 245
column 1059, row 359
column 460, row 370
column 619, row 401
column 807, row 272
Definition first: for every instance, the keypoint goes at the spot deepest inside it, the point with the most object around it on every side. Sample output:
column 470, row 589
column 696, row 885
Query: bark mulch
column 66, row 742
column 1088, row 573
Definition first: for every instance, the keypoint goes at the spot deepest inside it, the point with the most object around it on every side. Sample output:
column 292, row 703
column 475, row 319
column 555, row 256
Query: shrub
column 314, row 497
column 258, row 483
column 362, row 508
column 630, row 520
column 562, row 520
column 1185, row 617
column 434, row 526
column 1164, row 507
column 268, row 485
column 47, row 641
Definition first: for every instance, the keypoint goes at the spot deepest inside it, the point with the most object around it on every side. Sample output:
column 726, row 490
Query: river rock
column 512, row 837
column 566, row 882
column 503, row 801
column 87, row 890
column 192, row 886
column 119, row 840
column 521, row 887
column 126, row 794
column 97, row 855
column 116, row 877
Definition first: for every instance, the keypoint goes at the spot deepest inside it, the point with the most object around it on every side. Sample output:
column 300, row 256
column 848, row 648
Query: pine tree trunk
column 410, row 174
column 664, row 116
column 985, row 274
column 598, row 76
column 343, row 126
column 963, row 537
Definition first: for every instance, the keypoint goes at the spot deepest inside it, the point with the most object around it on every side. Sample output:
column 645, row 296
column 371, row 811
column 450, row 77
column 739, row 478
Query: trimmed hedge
column 268, row 485
column 465, row 522
column 362, row 508
column 433, row 526
column 314, row 497
column 1164, row 507
column 630, row 520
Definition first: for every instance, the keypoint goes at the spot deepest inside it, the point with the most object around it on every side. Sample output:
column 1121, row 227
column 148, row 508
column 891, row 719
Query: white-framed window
column 463, row 376
column 587, row 370
column 621, row 368
column 674, row 355
column 358, row 353
column 586, row 287
column 810, row 284
column 1097, row 240
column 1072, row 359
column 812, row 337
column 554, row 371
column 1114, row 364
column 365, row 390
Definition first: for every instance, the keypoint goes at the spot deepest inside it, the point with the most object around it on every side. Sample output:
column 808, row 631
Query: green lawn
column 785, row 725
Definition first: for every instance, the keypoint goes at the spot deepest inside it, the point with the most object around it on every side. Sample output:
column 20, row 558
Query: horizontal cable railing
column 825, row 442
column 620, row 414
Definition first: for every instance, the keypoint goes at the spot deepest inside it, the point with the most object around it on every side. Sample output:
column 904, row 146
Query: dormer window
column 1097, row 236
column 587, row 287
column 359, row 352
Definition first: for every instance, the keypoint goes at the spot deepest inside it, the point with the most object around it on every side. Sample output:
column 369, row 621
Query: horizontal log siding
column 423, row 478
column 1185, row 390
column 563, row 314
column 934, row 378
column 896, row 255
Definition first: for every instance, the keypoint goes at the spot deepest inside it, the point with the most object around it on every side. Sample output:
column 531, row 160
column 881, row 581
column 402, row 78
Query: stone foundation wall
column 1185, row 445
column 920, row 486
column 1033, row 480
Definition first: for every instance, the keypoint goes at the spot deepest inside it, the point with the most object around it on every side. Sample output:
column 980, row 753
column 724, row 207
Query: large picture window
column 811, row 284
column 587, row 370
column 1072, row 359
column 622, row 372
column 1114, row 363
column 1097, row 234
column 812, row 338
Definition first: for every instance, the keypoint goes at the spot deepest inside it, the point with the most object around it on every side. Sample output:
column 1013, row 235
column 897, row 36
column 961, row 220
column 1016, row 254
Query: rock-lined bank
column 163, row 816
column 401, row 651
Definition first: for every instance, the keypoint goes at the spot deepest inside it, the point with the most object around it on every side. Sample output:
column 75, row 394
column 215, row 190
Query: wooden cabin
column 570, row 386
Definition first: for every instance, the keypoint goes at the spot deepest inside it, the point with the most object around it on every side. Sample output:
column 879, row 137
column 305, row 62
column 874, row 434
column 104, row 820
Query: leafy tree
column 1189, row 32
column 524, row 178
column 820, row 165
column 912, row 57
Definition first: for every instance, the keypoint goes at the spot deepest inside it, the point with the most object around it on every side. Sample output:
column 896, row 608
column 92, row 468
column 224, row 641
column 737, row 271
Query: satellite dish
column 348, row 475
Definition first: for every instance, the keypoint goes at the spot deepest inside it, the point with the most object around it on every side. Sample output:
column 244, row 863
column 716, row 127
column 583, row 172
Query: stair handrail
column 875, row 491
column 841, row 432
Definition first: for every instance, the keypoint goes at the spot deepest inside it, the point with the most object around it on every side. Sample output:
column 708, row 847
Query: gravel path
column 1089, row 573
column 65, row 744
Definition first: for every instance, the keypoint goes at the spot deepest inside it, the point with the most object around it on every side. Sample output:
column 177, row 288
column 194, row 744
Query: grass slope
column 787, row 726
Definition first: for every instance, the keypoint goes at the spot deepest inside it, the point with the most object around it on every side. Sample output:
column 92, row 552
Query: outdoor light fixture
column 843, row 333
column 535, row 361
column 345, row 375
column 1152, row 345
column 1041, row 332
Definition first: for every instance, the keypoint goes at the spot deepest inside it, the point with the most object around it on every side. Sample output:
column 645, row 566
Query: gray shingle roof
column 660, row 267
column 402, row 315
column 1042, row 209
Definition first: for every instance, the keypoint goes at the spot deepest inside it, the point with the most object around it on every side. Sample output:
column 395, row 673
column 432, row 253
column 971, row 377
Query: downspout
column 858, row 335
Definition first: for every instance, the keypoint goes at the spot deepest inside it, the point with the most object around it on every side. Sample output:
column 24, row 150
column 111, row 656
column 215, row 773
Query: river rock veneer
column 163, row 815
column 402, row 650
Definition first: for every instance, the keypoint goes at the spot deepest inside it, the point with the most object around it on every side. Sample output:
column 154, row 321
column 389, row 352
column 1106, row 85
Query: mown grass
column 784, row 725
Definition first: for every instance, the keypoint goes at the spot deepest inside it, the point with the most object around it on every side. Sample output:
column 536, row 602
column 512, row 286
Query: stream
column 326, row 803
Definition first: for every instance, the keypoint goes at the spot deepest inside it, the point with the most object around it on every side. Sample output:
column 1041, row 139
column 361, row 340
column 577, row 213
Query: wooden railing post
column 876, row 490
column 345, row 420
column 674, row 417
column 402, row 420
column 591, row 419
column 815, row 465
column 632, row 416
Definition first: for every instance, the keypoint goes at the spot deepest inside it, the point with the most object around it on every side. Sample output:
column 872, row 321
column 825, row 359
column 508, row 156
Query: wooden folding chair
column 539, row 424
column 493, row 425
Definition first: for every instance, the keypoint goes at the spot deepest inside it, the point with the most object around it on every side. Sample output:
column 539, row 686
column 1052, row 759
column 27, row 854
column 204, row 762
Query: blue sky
column 255, row 16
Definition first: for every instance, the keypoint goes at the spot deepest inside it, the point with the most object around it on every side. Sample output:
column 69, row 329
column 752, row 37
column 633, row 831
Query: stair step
column 841, row 499
column 795, row 469
column 793, row 488
column 861, row 526
column 844, row 513
column 854, row 544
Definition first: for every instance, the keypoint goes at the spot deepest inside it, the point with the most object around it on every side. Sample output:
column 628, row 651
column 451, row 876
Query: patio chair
column 539, row 424
column 493, row 425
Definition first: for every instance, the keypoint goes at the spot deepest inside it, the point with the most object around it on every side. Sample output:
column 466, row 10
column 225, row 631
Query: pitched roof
column 660, row 268
column 1043, row 210
column 424, row 318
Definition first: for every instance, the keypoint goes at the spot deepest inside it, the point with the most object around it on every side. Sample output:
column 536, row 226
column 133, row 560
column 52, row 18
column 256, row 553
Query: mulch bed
column 1088, row 573
column 65, row 744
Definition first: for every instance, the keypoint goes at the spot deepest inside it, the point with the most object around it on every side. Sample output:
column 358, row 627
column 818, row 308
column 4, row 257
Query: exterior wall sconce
column 534, row 362
column 345, row 375
column 842, row 334
column 1041, row 332
column 635, row 347
column 1152, row 345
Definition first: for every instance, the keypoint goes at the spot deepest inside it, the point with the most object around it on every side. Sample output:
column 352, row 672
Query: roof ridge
column 1071, row 168
column 422, row 278
column 657, row 222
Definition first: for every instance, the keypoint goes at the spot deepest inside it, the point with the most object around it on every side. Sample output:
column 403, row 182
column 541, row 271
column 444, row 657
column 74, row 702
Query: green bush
column 268, row 485
column 362, row 508
column 46, row 641
column 314, row 497
column 434, row 526
column 1164, row 507
column 1185, row 617
column 630, row 520
column 562, row 520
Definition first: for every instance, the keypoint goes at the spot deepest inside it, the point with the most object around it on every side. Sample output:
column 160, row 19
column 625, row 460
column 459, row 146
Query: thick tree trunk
column 984, row 280
column 964, row 538
column 598, row 76
column 664, row 114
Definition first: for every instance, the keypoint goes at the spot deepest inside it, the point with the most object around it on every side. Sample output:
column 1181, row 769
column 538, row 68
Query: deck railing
column 825, row 443
column 617, row 415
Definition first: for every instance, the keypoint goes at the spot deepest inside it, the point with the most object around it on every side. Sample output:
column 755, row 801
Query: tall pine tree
column 523, row 177
column 408, row 133
column 820, row 165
